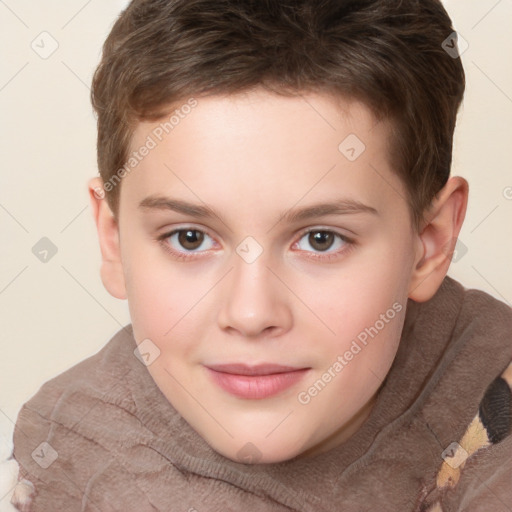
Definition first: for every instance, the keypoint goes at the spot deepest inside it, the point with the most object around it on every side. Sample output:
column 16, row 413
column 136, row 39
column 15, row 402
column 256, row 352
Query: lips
column 255, row 382
column 261, row 369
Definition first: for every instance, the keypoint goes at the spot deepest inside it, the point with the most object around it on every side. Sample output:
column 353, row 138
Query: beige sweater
column 102, row 437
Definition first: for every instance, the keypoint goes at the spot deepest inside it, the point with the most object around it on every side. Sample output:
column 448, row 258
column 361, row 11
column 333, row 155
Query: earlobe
column 438, row 238
column 111, row 272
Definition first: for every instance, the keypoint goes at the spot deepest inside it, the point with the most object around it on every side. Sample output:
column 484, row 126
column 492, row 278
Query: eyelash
column 349, row 244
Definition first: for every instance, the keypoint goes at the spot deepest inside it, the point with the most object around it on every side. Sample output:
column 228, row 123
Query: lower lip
column 256, row 386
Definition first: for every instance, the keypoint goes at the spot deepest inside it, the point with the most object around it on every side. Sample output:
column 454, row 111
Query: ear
column 108, row 233
column 437, row 239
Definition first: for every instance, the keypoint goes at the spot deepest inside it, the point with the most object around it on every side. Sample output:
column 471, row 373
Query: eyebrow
column 339, row 207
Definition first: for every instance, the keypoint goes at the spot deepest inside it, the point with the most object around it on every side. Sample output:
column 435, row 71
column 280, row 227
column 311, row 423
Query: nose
column 254, row 300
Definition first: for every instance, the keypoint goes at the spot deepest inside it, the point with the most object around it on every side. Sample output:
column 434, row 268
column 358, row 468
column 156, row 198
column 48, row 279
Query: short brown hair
column 386, row 53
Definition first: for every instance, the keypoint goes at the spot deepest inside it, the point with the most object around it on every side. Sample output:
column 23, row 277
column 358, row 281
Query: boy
column 262, row 370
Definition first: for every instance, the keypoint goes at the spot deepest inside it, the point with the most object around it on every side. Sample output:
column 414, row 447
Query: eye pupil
column 190, row 237
column 317, row 237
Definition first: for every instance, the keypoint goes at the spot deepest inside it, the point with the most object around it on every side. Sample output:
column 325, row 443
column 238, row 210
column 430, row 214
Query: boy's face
column 255, row 287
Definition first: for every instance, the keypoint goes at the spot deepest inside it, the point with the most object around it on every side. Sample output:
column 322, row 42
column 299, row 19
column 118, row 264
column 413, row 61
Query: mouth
column 255, row 382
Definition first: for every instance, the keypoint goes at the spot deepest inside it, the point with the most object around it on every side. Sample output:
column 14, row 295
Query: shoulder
column 456, row 306
column 92, row 379
column 63, row 434
column 472, row 329
column 481, row 337
column 475, row 351
column 486, row 311
column 470, row 407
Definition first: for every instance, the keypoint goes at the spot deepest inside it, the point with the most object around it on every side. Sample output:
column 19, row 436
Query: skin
column 252, row 157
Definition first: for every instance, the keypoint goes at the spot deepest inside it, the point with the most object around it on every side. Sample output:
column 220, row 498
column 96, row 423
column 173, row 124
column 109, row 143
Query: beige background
column 57, row 313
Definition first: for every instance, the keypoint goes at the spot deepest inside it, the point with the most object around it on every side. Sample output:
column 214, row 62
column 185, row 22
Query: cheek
column 354, row 296
column 363, row 302
column 379, row 303
column 159, row 293
column 384, row 270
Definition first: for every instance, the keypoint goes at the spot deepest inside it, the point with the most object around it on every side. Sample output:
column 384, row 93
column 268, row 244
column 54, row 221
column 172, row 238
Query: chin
column 259, row 451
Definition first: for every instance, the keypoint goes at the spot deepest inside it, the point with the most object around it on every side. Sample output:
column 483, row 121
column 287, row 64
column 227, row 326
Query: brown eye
column 323, row 244
column 187, row 243
column 190, row 239
column 321, row 240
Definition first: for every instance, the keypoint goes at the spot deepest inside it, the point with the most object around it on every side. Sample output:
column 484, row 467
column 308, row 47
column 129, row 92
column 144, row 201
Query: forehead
column 258, row 146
